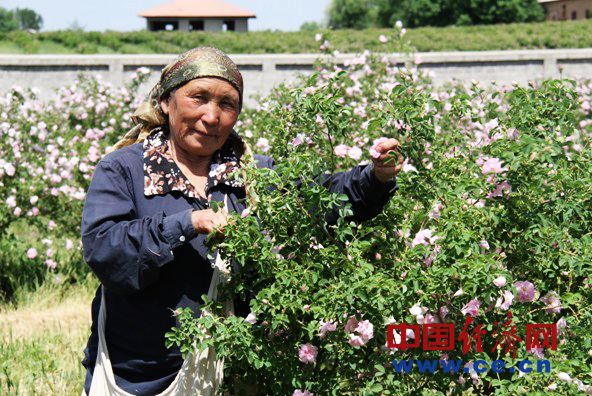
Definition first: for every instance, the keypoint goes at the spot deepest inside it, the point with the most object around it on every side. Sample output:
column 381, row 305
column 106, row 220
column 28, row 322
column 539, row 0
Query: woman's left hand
column 390, row 162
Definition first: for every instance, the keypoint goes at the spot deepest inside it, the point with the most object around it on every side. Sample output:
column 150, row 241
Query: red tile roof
column 197, row 9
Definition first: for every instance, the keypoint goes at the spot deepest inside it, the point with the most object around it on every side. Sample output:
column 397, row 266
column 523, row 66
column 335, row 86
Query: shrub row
column 568, row 34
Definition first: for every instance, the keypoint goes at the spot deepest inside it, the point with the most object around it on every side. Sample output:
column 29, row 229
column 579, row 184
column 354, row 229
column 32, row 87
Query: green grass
column 6, row 47
column 42, row 338
column 567, row 34
column 51, row 47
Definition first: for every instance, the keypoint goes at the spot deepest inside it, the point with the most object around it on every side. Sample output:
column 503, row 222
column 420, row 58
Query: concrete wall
column 262, row 72
column 566, row 9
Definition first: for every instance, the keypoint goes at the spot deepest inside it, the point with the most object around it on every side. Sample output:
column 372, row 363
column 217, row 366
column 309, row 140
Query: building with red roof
column 563, row 10
column 209, row 15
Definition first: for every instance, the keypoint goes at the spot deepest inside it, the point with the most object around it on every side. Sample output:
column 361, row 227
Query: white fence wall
column 262, row 72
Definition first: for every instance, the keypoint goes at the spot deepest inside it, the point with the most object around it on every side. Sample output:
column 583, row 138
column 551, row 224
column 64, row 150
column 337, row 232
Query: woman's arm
column 367, row 194
column 126, row 252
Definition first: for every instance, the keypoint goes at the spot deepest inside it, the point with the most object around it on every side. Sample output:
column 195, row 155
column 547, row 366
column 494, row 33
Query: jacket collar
column 162, row 175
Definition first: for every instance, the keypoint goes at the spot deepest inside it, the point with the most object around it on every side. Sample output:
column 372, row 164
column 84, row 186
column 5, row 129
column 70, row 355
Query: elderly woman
column 147, row 214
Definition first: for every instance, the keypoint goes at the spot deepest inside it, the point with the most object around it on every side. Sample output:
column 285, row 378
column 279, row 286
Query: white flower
column 251, row 318
column 263, row 144
column 564, row 376
column 416, row 310
column 500, row 281
column 354, row 153
column 424, row 237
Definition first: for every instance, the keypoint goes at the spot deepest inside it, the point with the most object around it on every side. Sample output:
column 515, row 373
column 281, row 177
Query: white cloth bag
column 201, row 374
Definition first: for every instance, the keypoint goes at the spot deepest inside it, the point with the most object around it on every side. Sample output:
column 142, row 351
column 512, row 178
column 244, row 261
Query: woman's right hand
column 206, row 220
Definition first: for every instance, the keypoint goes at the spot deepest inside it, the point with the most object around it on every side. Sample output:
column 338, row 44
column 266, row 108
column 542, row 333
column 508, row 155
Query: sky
column 122, row 14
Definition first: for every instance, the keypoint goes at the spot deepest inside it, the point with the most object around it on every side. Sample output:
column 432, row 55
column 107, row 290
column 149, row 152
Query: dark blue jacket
column 147, row 254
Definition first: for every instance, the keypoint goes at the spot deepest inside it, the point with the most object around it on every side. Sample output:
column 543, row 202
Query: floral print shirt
column 162, row 174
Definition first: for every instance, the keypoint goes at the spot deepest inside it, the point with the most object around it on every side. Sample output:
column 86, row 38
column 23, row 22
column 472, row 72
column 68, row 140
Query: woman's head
column 201, row 114
column 199, row 93
column 201, row 98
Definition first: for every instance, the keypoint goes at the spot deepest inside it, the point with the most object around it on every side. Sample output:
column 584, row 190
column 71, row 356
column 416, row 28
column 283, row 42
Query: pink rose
column 51, row 264
column 263, row 145
column 552, row 302
column 299, row 392
column 424, row 237
column 360, row 332
column 373, row 150
column 500, row 281
column 356, row 340
column 251, row 318
column 492, row 166
column 10, row 169
column 505, row 301
column 341, row 150
column 307, row 353
column 326, row 327
column 365, row 329
column 472, row 308
column 354, row 153
column 526, row 291
column 351, row 324
column 32, row 253
column 561, row 326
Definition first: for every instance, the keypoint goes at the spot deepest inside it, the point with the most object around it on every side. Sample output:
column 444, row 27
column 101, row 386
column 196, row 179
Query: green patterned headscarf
column 195, row 63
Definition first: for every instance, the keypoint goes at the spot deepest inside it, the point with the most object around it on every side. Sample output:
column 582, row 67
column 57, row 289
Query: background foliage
column 415, row 13
column 566, row 34
column 19, row 19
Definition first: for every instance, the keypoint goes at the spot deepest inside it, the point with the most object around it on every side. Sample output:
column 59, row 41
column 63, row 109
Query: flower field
column 492, row 217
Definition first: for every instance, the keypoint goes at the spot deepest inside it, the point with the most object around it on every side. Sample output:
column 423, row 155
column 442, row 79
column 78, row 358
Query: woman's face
column 201, row 114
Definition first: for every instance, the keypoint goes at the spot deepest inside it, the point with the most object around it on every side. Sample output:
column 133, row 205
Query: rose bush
column 48, row 151
column 492, row 215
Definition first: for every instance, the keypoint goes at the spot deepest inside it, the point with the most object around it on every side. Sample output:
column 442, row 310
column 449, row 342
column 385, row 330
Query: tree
column 311, row 26
column 7, row 20
column 28, row 19
column 416, row 13
column 353, row 14
column 75, row 26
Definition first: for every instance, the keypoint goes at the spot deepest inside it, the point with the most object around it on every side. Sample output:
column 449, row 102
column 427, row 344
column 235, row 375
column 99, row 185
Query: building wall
column 263, row 72
column 566, row 9
column 242, row 25
column 210, row 24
